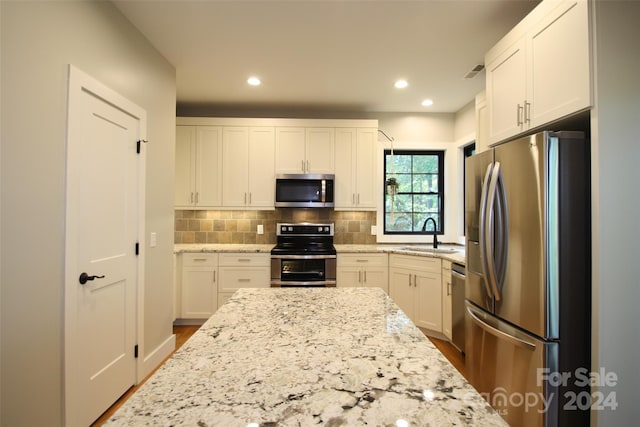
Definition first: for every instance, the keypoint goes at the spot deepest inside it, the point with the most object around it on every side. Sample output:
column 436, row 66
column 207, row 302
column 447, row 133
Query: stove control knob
column 290, row 228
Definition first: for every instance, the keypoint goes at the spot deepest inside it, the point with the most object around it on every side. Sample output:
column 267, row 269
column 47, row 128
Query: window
column 419, row 193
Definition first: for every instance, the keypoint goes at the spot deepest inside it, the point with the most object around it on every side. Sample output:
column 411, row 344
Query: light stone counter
column 397, row 248
column 458, row 256
column 307, row 357
column 222, row 247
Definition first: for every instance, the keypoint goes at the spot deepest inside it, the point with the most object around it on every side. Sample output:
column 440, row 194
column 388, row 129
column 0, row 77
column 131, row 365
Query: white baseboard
column 156, row 357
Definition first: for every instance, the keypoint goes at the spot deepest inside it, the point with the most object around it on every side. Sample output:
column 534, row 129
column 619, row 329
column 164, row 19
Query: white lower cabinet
column 242, row 270
column 415, row 284
column 367, row 270
column 199, row 291
column 446, row 300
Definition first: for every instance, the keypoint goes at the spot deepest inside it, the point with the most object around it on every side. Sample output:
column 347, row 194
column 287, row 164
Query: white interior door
column 104, row 208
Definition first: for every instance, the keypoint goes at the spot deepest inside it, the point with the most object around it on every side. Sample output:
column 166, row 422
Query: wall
column 615, row 128
column 465, row 121
column 39, row 40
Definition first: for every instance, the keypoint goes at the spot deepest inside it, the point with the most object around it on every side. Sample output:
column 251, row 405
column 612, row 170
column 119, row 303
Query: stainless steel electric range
column 304, row 256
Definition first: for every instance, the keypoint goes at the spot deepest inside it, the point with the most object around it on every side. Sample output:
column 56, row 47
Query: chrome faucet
column 435, row 231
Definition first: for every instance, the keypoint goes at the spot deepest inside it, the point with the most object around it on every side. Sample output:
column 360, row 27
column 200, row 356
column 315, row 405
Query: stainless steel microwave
column 304, row 191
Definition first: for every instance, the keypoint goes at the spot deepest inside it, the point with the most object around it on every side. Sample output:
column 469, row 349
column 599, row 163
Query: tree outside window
column 420, row 191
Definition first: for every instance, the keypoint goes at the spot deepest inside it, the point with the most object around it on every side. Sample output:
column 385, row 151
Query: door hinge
column 135, row 351
column 137, row 248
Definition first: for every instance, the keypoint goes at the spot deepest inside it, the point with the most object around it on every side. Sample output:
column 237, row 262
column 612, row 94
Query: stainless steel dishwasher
column 457, row 305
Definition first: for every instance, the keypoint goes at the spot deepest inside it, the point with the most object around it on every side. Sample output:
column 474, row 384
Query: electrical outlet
column 374, row 230
column 153, row 239
column 260, row 229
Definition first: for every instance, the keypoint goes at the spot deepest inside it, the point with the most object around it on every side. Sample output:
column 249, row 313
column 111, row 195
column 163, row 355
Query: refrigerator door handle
column 489, row 231
column 484, row 260
column 498, row 333
column 502, row 233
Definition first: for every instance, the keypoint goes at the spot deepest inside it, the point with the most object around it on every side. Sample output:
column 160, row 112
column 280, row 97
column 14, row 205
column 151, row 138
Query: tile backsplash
column 196, row 226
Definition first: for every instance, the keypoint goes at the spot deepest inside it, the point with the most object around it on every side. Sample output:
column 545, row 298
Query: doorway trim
column 78, row 83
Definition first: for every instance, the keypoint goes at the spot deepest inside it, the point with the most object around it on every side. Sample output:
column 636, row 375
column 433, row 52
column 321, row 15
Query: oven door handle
column 303, row 256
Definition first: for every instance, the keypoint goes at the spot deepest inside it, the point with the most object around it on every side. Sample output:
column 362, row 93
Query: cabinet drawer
column 244, row 259
column 233, row 278
column 416, row 262
column 362, row 260
column 199, row 260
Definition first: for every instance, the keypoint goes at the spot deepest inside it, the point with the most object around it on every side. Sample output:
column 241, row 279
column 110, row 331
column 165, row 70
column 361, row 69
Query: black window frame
column 440, row 221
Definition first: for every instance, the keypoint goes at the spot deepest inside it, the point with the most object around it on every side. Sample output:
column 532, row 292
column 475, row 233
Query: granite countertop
column 397, row 248
column 457, row 256
column 302, row 357
column 221, row 247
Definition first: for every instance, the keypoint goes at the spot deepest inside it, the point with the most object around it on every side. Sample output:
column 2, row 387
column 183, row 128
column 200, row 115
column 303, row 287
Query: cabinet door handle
column 359, row 276
column 199, row 259
column 308, row 168
column 244, row 280
column 448, row 288
column 365, row 276
column 358, row 200
column 244, row 260
column 519, row 118
column 197, row 197
column 527, row 112
column 214, row 276
column 249, row 198
column 302, row 165
column 191, row 200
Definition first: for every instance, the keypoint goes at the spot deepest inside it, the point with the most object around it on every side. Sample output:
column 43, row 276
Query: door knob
column 84, row 278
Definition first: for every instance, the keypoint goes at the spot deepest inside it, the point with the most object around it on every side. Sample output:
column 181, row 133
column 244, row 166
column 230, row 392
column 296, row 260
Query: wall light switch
column 374, row 230
column 260, row 229
column 153, row 239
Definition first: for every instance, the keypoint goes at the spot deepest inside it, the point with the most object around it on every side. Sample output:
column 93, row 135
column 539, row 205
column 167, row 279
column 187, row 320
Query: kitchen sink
column 429, row 249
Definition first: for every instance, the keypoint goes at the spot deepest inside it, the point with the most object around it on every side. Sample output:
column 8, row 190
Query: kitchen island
column 302, row 356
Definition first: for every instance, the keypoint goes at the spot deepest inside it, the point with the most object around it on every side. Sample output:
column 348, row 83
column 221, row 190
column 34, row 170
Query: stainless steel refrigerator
column 528, row 282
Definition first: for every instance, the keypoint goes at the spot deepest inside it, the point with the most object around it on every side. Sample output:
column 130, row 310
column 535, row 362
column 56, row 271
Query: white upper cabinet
column 482, row 122
column 290, row 154
column 320, row 150
column 506, row 89
column 198, row 177
column 235, row 173
column 540, row 72
column 231, row 163
column 305, row 150
column 248, row 167
column 355, row 168
column 262, row 154
column 560, row 82
column 185, row 165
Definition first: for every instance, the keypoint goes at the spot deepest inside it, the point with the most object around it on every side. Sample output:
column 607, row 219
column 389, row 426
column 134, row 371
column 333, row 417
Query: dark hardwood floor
column 182, row 335
column 184, row 332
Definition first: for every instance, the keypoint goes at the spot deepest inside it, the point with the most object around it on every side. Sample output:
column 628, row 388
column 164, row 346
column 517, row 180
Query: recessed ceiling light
column 254, row 81
column 401, row 84
column 427, row 103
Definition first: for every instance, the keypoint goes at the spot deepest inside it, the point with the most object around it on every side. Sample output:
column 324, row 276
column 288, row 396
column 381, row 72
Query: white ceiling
column 325, row 55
